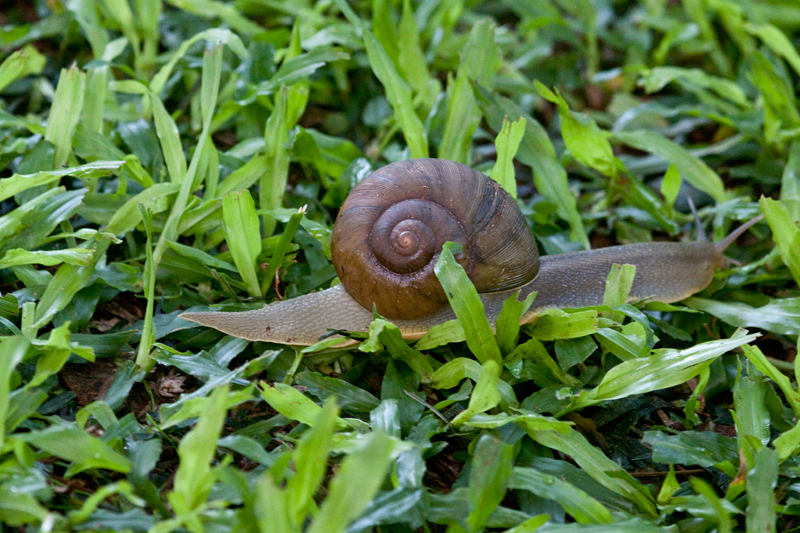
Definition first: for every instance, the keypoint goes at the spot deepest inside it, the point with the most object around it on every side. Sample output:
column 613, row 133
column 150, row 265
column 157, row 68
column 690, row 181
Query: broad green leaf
column 167, row 132
column 467, row 305
column 485, row 395
column 97, row 86
column 351, row 397
column 410, row 57
column 669, row 487
column 399, row 96
column 55, row 352
column 384, row 333
column 507, row 324
column 787, row 444
column 441, row 334
column 21, row 63
column 72, row 256
column 192, row 405
column 14, row 349
column 759, row 360
column 66, row 283
column 536, row 151
column 777, row 41
column 702, row 448
column 552, row 324
column 293, row 404
column 232, row 17
column 350, row 490
column 73, row 444
column 462, row 120
column 580, row 505
column 664, row 368
column 596, row 464
column 785, row 233
column 21, row 182
column 65, row 113
column 691, row 168
column 507, row 143
column 194, row 477
column 281, row 249
column 671, row 185
column 271, row 507
column 451, row 373
column 586, row 142
column 480, row 57
column 780, row 109
column 618, row 286
column 243, row 236
column 790, row 183
column 751, row 416
column 761, row 482
column 529, row 420
column 780, row 316
column 213, row 35
column 488, row 478
column 657, row 78
column 384, row 27
column 310, row 460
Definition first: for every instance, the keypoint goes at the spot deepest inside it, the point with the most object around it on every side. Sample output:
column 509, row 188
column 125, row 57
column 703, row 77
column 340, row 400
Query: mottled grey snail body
column 666, row 272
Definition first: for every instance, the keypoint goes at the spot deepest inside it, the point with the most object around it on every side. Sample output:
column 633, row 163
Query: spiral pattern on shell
column 392, row 226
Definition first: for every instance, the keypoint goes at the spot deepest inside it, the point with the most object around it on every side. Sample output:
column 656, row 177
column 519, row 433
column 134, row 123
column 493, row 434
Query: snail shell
column 391, row 229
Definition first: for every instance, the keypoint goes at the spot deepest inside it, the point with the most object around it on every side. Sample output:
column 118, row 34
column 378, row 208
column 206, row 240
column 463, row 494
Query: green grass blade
column 21, row 63
column 486, row 394
column 586, row 142
column 66, row 282
column 410, row 57
column 777, row 41
column 467, row 305
column 778, row 316
column 691, row 168
column 480, row 57
column 507, row 143
column 399, row 95
column 22, row 182
column 243, row 236
column 575, row 501
column 194, row 477
column 790, row 182
column 663, row 369
column 536, row 151
column 82, row 449
column 14, row 349
column 785, row 233
column 355, row 484
column 462, row 120
column 761, row 482
column 65, row 113
column 596, row 464
column 72, row 256
column 171, row 146
column 488, row 477
column 311, row 461
column 759, row 360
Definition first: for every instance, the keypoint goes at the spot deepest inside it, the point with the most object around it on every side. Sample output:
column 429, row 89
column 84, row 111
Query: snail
column 391, row 229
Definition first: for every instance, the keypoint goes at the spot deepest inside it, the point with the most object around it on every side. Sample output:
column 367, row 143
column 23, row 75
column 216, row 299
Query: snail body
column 390, row 231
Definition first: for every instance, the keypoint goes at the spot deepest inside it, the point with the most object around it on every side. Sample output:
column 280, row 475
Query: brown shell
column 391, row 229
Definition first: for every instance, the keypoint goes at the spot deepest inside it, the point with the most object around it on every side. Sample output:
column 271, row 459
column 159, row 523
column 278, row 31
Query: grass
column 160, row 157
